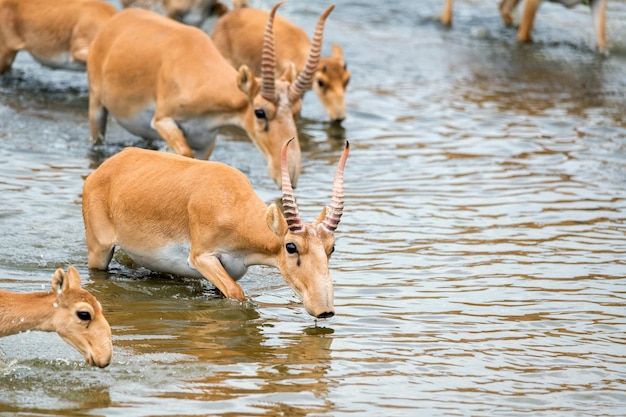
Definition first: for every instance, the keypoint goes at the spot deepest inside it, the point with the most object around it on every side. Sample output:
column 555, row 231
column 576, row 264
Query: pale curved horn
column 303, row 82
column 335, row 210
column 268, row 59
column 289, row 201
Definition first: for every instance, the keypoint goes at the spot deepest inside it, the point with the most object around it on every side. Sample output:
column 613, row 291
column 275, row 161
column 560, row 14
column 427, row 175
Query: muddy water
column 480, row 261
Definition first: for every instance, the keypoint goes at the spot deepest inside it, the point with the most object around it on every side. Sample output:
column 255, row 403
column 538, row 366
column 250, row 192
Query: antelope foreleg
column 211, row 268
column 528, row 16
column 172, row 135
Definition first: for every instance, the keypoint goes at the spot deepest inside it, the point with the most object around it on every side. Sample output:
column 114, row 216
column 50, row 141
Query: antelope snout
column 320, row 307
column 326, row 315
column 100, row 357
column 337, row 114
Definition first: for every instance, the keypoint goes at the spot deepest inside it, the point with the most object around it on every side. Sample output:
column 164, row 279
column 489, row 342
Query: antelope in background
column 67, row 309
column 165, row 80
column 189, row 12
column 598, row 8
column 238, row 35
column 55, row 33
column 203, row 219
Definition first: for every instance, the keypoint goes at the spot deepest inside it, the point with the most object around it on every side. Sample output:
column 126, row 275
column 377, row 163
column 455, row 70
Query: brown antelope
column 56, row 33
column 598, row 8
column 238, row 35
column 203, row 219
column 189, row 12
column 163, row 79
column 67, row 309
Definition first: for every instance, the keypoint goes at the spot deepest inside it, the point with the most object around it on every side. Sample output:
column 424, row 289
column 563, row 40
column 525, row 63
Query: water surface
column 480, row 260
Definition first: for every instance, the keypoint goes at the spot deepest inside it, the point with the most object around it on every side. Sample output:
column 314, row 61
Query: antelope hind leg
column 506, row 11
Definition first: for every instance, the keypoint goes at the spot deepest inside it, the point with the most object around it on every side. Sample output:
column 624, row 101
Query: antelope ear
column 246, row 82
column 322, row 215
column 73, row 277
column 290, row 73
column 337, row 51
column 59, row 282
column 275, row 220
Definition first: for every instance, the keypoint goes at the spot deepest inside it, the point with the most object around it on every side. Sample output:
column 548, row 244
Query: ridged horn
column 303, row 82
column 268, row 59
column 335, row 210
column 290, row 208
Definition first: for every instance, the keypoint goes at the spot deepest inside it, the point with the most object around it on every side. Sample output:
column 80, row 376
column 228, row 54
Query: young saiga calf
column 598, row 8
column 67, row 309
column 203, row 219
column 56, row 33
column 238, row 35
column 165, row 80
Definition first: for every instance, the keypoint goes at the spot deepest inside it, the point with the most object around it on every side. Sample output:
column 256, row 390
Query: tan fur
column 152, row 72
column 56, row 33
column 67, row 309
column 238, row 35
column 528, row 16
column 144, row 202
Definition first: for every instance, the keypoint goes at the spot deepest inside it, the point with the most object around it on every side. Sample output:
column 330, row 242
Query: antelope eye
column 291, row 248
column 345, row 66
column 320, row 83
column 83, row 315
column 332, row 250
column 260, row 114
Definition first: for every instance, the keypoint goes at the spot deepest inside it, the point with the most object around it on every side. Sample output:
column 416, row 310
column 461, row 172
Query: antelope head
column 306, row 247
column 78, row 319
column 331, row 79
column 274, row 102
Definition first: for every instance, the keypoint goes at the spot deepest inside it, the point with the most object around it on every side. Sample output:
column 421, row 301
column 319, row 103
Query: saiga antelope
column 598, row 8
column 67, row 309
column 238, row 35
column 165, row 80
column 203, row 219
column 56, row 33
column 189, row 12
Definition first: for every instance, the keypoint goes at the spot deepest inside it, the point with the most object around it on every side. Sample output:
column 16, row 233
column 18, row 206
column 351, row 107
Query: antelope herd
column 598, row 9
column 162, row 77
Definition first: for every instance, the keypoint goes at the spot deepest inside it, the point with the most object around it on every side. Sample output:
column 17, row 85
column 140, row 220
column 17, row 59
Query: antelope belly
column 62, row 60
column 170, row 259
column 140, row 124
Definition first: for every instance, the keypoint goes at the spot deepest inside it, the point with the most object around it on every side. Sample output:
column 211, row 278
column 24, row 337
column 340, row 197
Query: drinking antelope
column 238, row 35
column 203, row 219
column 55, row 33
column 67, row 309
column 598, row 8
column 163, row 79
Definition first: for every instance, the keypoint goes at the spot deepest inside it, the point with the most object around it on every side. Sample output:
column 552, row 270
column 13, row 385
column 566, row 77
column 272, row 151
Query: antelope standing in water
column 67, row 309
column 598, row 9
column 203, row 219
column 165, row 80
column 238, row 35
column 56, row 33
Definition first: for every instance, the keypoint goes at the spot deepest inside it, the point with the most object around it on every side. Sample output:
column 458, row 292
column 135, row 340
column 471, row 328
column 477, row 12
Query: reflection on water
column 479, row 264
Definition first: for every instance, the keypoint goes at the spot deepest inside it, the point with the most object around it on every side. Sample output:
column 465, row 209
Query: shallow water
column 480, row 260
